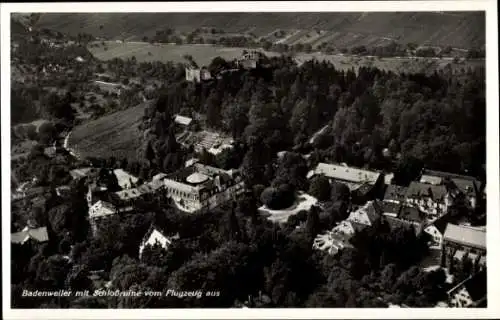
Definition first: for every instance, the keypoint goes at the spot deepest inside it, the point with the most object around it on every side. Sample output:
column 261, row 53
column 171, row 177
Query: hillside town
column 277, row 184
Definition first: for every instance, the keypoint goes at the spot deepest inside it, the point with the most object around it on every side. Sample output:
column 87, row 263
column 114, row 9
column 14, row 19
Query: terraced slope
column 456, row 29
column 115, row 135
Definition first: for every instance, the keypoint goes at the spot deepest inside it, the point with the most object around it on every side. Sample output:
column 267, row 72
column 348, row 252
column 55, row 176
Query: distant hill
column 456, row 29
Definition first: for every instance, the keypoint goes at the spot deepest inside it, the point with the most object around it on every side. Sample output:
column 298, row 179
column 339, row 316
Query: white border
column 493, row 228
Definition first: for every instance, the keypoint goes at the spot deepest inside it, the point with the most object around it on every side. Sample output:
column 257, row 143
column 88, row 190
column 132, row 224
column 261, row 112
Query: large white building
column 354, row 178
column 200, row 187
column 194, row 188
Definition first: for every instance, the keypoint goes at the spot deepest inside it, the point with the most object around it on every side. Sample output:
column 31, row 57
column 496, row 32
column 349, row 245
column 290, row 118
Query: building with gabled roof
column 465, row 236
column 352, row 177
column 467, row 185
column 412, row 214
column 460, row 242
column 125, row 179
column 156, row 236
column 437, row 228
column 101, row 209
column 182, row 120
column 395, row 193
column 36, row 235
column 431, row 199
column 366, row 215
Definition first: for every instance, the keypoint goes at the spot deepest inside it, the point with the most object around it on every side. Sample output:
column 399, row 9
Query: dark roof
column 374, row 210
column 395, row 193
column 476, row 286
column 468, row 187
column 35, row 191
column 395, row 223
column 441, row 222
column 363, row 189
column 411, row 214
column 357, row 226
column 450, row 175
column 417, row 190
column 391, row 207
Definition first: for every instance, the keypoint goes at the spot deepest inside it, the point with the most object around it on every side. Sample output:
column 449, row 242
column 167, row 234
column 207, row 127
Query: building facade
column 462, row 242
column 197, row 75
column 434, row 200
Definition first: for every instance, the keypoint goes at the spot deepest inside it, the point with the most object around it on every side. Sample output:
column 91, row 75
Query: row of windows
column 186, row 195
column 452, row 245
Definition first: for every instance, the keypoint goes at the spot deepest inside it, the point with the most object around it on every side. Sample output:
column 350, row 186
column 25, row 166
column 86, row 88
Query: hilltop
column 455, row 29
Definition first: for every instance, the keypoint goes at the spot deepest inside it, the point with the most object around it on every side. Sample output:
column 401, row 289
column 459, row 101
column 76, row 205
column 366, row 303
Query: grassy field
column 143, row 51
column 203, row 55
column 115, row 135
column 456, row 29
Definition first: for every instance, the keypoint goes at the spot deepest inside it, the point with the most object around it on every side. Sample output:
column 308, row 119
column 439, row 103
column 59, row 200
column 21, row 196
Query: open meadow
column 144, row 51
column 203, row 55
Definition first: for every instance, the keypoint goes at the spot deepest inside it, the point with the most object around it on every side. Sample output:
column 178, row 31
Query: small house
column 156, row 237
column 30, row 235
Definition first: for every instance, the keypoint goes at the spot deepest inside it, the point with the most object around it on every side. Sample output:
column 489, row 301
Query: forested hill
column 456, row 29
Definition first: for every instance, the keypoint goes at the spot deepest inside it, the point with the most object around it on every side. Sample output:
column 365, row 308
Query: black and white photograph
column 330, row 159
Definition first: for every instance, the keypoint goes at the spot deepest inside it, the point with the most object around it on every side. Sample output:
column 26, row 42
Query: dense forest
column 436, row 121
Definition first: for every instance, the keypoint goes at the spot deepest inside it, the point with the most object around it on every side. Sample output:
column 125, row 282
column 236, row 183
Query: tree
column 217, row 65
column 213, row 107
column 47, row 133
column 292, row 170
column 320, row 188
column 313, row 226
column 234, row 117
column 51, row 273
column 78, row 279
column 339, row 192
column 277, row 198
column 155, row 255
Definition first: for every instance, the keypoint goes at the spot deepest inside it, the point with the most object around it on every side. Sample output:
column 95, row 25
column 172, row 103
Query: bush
column 30, row 131
column 258, row 190
column 268, row 197
column 47, row 133
column 339, row 192
column 320, row 188
column 278, row 198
